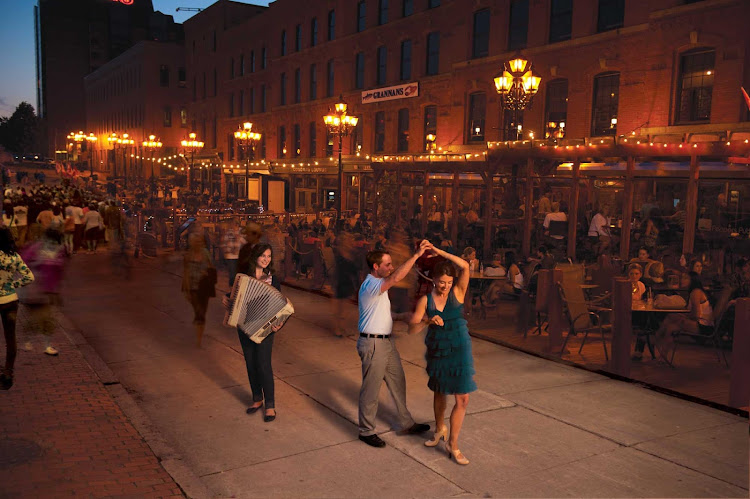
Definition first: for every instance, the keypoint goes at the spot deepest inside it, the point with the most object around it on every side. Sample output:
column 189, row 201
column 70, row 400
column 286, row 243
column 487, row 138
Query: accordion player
column 255, row 307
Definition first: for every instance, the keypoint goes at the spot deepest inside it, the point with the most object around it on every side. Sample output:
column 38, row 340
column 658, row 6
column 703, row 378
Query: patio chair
column 714, row 338
column 583, row 316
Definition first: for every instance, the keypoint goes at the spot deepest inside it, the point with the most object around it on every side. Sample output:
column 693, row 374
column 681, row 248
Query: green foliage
column 20, row 132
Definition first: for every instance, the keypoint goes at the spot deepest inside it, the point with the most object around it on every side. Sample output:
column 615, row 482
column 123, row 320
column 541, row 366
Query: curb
column 172, row 462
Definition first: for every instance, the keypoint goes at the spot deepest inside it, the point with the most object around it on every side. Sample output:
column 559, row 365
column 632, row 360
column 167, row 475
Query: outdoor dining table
column 652, row 320
column 484, row 282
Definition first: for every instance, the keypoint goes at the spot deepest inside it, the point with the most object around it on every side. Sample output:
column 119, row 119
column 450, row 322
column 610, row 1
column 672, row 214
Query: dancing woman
column 449, row 361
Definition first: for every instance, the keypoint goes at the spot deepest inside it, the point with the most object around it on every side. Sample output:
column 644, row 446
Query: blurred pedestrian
column 198, row 281
column 231, row 242
column 346, row 278
column 93, row 224
column 13, row 274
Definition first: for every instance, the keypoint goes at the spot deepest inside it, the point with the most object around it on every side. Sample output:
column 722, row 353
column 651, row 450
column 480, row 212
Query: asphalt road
column 534, row 428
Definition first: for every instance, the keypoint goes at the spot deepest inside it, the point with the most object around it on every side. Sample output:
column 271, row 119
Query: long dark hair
column 7, row 243
column 258, row 250
column 695, row 282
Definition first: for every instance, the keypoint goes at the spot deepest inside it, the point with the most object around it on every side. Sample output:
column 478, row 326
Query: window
column 252, row 61
column 314, row 32
column 251, row 98
column 430, row 124
column 313, row 82
column 556, row 109
column 695, row 86
column 383, row 12
column 264, row 58
column 403, row 130
column 282, row 89
column 282, row 141
column 241, row 103
column 297, row 86
column 519, row 24
column 381, row 67
column 183, row 117
column 329, row 143
column 512, row 125
column 611, row 15
column 357, row 136
column 231, row 68
column 606, row 95
column 297, row 141
column 380, row 131
column 242, row 64
column 215, row 82
column 407, row 8
column 313, row 140
column 181, row 77
column 331, row 25
column 361, row 16
column 330, row 82
column 560, row 20
column 359, row 70
column 405, row 72
column 283, row 42
column 163, row 75
column 477, row 107
column 263, row 146
column 431, row 4
column 298, row 38
column 213, row 43
column 481, row 42
column 263, row 99
column 433, row 53
column 167, row 117
column 231, row 105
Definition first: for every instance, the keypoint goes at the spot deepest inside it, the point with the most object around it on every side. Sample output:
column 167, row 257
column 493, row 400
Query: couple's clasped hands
column 426, row 247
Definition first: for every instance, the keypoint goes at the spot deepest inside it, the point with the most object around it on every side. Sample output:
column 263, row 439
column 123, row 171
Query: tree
column 20, row 132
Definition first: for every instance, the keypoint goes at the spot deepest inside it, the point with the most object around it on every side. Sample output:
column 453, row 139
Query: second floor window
column 477, row 111
column 431, row 4
column 282, row 141
column 283, row 42
column 560, row 20
column 519, row 24
column 331, row 25
column 231, row 68
column 403, row 130
column 556, row 109
column 382, row 68
column 611, row 15
column 163, row 75
column 282, row 89
column 361, row 16
column 696, row 85
column 433, row 53
column 314, row 32
column 313, row 139
column 313, row 82
column 297, row 86
column 383, row 12
column 251, row 99
column 264, row 58
column 297, row 141
column 231, row 105
column 481, row 40
column 329, row 78
column 359, row 70
column 430, row 124
column 242, row 65
column 407, row 8
column 405, row 60
column 252, row 61
column 379, row 131
column 167, row 117
column 606, row 98
column 298, row 38
column 241, row 103
column 263, row 99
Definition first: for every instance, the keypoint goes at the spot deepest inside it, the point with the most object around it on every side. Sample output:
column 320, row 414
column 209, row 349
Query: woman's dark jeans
column 259, row 370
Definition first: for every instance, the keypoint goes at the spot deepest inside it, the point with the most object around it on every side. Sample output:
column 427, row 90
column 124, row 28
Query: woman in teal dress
column 449, row 362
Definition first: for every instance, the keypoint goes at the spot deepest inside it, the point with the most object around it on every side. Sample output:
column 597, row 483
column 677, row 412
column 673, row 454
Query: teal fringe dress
column 450, row 365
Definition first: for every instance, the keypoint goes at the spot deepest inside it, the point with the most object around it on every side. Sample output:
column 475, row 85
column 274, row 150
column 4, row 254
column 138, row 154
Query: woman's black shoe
column 253, row 410
column 269, row 417
column 6, row 381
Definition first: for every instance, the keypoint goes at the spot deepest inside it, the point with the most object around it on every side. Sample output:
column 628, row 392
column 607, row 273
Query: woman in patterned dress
column 449, row 362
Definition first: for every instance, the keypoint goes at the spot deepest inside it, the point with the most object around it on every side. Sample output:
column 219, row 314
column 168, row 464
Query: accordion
column 255, row 307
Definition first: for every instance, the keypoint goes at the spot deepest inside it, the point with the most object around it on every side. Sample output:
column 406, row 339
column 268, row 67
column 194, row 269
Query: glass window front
column 560, row 20
column 359, row 70
column 611, row 15
column 481, row 39
column 433, row 53
column 430, row 125
column 406, row 60
column 383, row 12
column 606, row 97
column 314, row 32
column 403, row 130
column 313, row 82
column 556, row 109
column 297, row 86
column 380, row 131
column 696, row 86
column 382, row 68
column 282, row 89
column 407, row 8
column 330, row 79
column 331, row 25
column 477, row 109
column 313, row 139
column 519, row 24
column 361, row 16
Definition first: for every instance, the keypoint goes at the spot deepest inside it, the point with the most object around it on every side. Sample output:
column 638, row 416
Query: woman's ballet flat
column 456, row 454
column 442, row 433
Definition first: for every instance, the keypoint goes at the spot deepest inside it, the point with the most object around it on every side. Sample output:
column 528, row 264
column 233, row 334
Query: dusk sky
column 18, row 80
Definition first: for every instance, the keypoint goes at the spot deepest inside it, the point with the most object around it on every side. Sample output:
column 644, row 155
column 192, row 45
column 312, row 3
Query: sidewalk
column 63, row 434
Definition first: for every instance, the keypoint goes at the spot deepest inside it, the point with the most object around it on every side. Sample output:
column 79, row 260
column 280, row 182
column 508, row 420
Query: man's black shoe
column 372, row 440
column 417, row 428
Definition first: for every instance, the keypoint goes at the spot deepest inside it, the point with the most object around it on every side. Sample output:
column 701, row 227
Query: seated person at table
column 643, row 258
column 599, row 228
column 700, row 319
column 545, row 258
column 654, row 274
column 635, row 272
column 557, row 216
column 470, row 255
column 513, row 285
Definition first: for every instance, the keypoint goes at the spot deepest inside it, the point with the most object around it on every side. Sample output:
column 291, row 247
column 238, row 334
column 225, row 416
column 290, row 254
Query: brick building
column 142, row 92
column 608, row 68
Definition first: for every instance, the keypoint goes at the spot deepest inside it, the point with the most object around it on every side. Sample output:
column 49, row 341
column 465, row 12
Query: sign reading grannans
column 390, row 93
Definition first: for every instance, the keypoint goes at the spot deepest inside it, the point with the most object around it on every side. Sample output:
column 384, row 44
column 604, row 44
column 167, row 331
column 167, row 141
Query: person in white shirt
column 376, row 347
column 599, row 228
column 21, row 223
column 557, row 216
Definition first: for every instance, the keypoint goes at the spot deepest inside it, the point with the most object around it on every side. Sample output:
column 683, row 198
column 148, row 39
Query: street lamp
column 431, row 138
column 124, row 142
column 152, row 144
column 517, row 86
column 191, row 145
column 247, row 139
column 342, row 124
column 91, row 139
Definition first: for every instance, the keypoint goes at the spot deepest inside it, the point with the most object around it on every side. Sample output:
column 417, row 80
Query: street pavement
column 534, row 428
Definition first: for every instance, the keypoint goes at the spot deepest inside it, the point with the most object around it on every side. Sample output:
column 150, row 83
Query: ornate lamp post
column 430, row 142
column 152, row 145
column 517, row 86
column 338, row 122
column 191, row 145
column 124, row 142
column 246, row 139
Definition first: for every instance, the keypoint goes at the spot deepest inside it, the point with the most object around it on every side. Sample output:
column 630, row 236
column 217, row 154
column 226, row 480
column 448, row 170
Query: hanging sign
column 124, row 2
column 390, row 93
